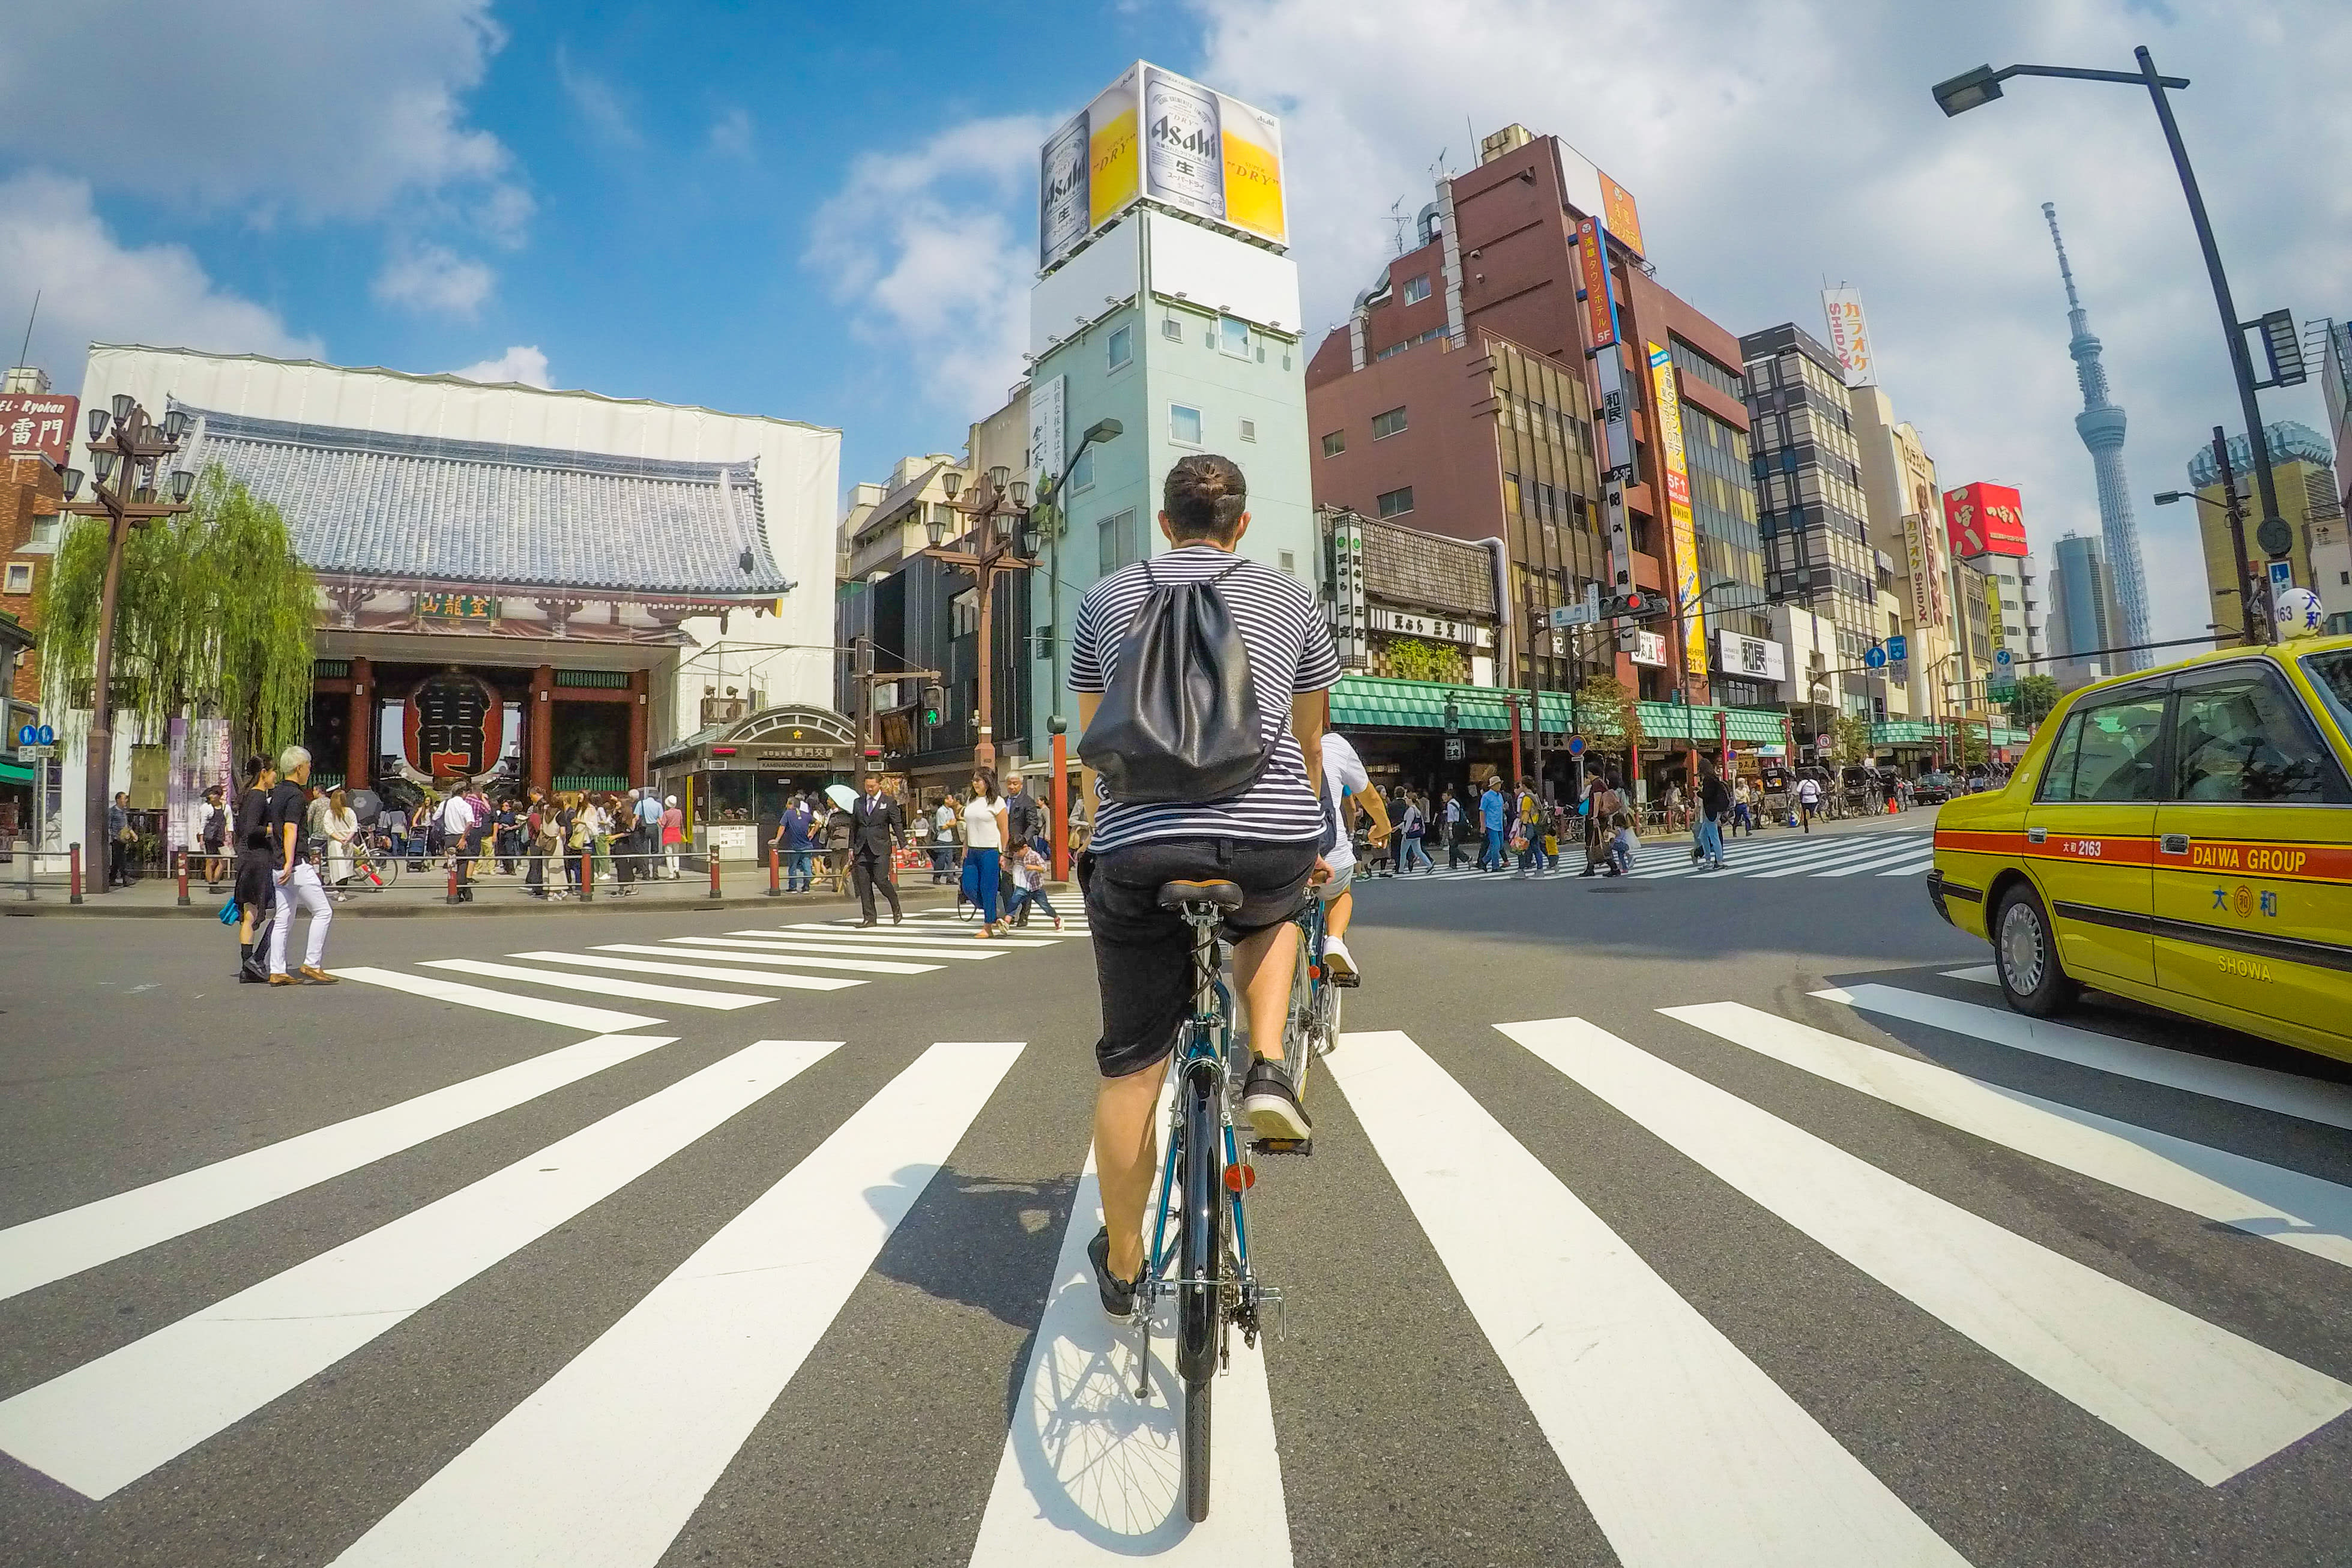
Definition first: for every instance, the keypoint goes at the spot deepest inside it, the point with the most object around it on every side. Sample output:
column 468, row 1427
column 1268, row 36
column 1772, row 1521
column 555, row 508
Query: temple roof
column 364, row 503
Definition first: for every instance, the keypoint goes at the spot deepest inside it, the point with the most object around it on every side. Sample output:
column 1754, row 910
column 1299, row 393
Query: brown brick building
column 31, row 502
column 1460, row 398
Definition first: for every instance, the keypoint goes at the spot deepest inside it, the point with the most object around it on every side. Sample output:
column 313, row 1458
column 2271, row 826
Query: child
column 1029, row 871
column 1621, row 847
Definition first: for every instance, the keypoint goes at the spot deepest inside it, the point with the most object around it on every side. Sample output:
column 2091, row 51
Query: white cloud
column 328, row 112
column 1771, row 146
column 433, row 277
column 522, row 363
column 93, row 287
column 597, row 101
column 931, row 252
column 731, row 134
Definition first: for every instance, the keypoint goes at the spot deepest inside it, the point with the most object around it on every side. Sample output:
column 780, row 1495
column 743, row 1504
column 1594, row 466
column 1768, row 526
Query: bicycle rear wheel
column 1200, row 1255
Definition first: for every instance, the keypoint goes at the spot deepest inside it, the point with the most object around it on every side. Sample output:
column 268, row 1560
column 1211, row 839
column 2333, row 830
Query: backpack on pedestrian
column 1180, row 720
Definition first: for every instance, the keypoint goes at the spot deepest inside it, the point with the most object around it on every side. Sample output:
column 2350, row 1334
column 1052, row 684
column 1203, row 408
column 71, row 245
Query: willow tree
column 1610, row 712
column 212, row 618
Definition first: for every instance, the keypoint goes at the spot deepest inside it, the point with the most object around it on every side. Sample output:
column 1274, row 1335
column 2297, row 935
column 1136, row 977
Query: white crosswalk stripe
column 1679, row 1442
column 636, row 990
column 570, row 1015
column 1885, row 854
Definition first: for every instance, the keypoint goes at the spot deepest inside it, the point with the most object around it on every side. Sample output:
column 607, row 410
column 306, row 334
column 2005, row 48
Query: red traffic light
column 1633, row 603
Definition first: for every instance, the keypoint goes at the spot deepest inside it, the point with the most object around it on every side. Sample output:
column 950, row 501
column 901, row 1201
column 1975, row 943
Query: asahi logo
column 1182, row 144
column 1198, row 140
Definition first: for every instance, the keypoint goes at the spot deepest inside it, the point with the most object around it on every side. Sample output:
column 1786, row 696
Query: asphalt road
column 743, row 1273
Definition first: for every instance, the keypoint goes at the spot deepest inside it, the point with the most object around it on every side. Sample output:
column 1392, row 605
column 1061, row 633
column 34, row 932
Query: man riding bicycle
column 1266, row 840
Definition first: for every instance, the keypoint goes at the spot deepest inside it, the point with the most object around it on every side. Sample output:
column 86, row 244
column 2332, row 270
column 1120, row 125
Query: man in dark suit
column 876, row 826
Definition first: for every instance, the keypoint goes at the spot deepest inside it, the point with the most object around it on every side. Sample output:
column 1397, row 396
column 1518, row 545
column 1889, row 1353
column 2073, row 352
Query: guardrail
column 23, row 875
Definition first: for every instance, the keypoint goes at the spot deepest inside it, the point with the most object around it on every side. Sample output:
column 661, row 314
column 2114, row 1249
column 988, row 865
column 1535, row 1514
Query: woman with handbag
column 986, row 832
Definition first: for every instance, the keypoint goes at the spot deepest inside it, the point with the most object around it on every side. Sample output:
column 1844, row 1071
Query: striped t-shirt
column 1290, row 652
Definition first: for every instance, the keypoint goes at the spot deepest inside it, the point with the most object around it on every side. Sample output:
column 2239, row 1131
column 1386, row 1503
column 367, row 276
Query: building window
column 1387, row 424
column 1082, row 472
column 1291, row 562
column 1415, row 290
column 1184, row 425
column 20, row 577
column 1119, row 540
column 1335, row 443
column 1394, row 503
column 44, row 537
column 1249, row 429
column 1120, row 346
column 1173, row 329
column 1233, row 337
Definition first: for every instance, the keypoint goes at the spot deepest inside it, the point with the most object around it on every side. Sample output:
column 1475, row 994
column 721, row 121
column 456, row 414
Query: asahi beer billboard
column 1154, row 135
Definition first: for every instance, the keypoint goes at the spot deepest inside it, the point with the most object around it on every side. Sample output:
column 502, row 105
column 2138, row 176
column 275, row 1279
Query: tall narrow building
column 2101, row 425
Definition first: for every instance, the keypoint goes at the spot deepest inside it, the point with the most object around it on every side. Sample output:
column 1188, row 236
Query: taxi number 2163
column 2089, row 846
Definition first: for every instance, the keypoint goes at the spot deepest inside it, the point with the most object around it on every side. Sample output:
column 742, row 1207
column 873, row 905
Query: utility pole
column 862, row 663
column 2248, row 590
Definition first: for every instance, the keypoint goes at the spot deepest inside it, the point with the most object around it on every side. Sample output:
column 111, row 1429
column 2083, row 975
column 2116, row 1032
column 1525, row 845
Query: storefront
column 732, row 780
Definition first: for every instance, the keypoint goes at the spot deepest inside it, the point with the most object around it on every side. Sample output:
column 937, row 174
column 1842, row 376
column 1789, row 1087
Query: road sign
column 37, row 753
column 1875, row 658
column 2000, row 656
column 1453, row 748
column 47, row 736
column 1565, row 615
column 31, row 735
column 1898, row 649
column 2274, row 535
column 1576, row 746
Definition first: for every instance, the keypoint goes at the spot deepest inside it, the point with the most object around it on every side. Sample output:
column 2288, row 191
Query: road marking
column 2287, row 1206
column 935, row 933
column 59, row 1244
column 110, row 1421
column 1982, row 973
column 1088, row 1473
column 695, row 970
column 905, row 947
column 1913, row 868
column 1683, row 1449
column 1816, row 864
column 570, row 1015
column 636, row 990
column 1751, row 858
column 2310, row 1098
column 707, row 955
column 1900, row 859
column 2212, row 1403
column 603, row 1466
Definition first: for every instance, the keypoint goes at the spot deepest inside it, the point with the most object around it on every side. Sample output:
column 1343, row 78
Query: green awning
column 1377, row 702
column 14, row 772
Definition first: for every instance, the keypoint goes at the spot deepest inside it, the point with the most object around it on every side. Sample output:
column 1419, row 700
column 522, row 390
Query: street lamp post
column 1100, row 431
column 1972, row 88
column 998, row 523
column 124, row 458
column 2232, row 508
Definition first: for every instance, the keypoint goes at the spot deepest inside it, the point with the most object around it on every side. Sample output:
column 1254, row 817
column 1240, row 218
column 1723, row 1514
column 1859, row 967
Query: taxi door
column 2090, row 834
column 2254, row 880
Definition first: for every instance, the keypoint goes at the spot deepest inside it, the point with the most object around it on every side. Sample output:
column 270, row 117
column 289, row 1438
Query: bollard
column 714, row 870
column 184, row 877
column 775, row 881
column 73, row 873
column 587, row 875
column 452, row 880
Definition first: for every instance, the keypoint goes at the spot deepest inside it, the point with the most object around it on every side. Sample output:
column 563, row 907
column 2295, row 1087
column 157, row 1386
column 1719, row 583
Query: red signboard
column 1600, row 321
column 1984, row 519
column 453, row 724
column 38, row 424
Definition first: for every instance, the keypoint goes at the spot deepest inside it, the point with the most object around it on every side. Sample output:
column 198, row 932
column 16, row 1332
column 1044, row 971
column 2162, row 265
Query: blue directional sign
column 1875, row 658
column 48, row 736
column 1898, row 649
column 2000, row 656
column 28, row 736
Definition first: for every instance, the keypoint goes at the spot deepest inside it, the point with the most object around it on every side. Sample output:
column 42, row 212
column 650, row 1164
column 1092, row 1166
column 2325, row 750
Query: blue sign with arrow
column 1875, row 659
column 1898, row 649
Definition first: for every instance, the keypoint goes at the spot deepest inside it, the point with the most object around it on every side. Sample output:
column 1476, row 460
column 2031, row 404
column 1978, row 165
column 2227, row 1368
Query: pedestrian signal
column 931, row 704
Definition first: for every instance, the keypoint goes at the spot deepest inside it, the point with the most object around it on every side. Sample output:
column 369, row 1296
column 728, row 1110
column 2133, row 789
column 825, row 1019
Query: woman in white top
column 985, row 833
column 342, row 823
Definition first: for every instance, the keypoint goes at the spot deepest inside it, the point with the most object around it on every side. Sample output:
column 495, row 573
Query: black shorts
column 256, row 881
column 1143, row 953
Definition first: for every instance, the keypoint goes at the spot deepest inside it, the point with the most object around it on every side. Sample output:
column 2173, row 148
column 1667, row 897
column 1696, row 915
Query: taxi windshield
column 2331, row 673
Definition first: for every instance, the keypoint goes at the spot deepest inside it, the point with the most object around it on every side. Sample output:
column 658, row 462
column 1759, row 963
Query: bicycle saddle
column 1176, row 895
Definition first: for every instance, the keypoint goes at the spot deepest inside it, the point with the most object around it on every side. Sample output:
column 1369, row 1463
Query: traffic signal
column 1634, row 604
column 933, row 699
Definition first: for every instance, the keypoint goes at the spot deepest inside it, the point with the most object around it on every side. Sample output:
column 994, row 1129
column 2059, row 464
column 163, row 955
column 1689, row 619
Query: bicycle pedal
column 1284, row 1145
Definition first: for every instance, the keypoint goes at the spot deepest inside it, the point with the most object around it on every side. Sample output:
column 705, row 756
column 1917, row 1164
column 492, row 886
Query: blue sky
column 828, row 213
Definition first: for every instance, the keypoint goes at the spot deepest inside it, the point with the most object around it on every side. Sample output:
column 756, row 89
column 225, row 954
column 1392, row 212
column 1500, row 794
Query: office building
column 1904, row 508
column 2101, row 425
column 2302, row 469
column 2336, row 390
column 2083, row 619
column 1811, row 513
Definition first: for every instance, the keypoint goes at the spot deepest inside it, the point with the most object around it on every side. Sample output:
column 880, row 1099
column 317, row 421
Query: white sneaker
column 1340, row 963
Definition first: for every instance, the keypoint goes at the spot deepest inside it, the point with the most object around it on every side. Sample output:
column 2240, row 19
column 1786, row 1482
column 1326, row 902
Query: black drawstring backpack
column 1180, row 719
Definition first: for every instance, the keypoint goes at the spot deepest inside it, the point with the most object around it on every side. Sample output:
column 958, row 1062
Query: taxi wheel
column 2025, row 952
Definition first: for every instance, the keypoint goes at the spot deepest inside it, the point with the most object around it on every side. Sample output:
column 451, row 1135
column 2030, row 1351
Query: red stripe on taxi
column 2231, row 856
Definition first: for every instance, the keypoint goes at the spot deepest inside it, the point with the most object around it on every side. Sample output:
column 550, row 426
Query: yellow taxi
column 2182, row 836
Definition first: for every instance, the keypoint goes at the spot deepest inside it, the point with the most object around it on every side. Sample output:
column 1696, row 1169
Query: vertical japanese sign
column 38, row 424
column 1623, row 218
column 1849, row 335
column 1920, row 563
column 1682, row 530
column 1048, row 423
column 1350, row 621
column 1616, row 435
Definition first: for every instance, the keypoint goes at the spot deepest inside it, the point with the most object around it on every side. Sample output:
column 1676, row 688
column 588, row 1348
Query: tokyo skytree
column 2101, row 425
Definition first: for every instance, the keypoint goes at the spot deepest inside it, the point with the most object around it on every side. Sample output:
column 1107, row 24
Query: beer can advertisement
column 1158, row 136
column 1984, row 519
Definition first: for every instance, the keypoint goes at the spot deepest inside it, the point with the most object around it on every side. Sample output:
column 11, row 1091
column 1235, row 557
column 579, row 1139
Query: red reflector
column 722, row 751
column 1314, row 971
column 1241, row 1178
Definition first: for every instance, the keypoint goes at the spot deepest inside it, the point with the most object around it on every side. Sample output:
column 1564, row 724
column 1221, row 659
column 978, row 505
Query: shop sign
column 803, row 753
column 453, row 724
column 456, row 606
column 1754, row 659
column 37, row 424
column 1682, row 529
column 1348, row 620
column 1453, row 748
column 1467, row 633
column 1649, row 648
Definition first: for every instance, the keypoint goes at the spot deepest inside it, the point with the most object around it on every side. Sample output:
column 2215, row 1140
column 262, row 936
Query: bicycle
column 1311, row 1027
column 380, row 869
column 1207, row 1268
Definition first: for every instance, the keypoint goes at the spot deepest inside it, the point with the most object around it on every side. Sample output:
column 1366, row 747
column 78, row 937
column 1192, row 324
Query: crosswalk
column 1878, row 854
column 735, row 970
column 1671, row 1430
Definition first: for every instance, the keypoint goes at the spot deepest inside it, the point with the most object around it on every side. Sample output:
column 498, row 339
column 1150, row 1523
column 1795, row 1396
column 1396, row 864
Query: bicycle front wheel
column 1201, row 1255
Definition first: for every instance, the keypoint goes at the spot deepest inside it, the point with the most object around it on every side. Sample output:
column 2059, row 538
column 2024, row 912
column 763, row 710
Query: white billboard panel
column 1849, row 337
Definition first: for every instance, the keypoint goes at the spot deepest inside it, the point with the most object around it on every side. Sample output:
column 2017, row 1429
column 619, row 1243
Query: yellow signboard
column 1682, row 530
column 1153, row 135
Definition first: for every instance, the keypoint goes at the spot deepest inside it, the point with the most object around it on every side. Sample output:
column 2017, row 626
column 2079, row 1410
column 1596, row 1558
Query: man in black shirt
column 257, row 890
column 297, row 873
column 1713, row 805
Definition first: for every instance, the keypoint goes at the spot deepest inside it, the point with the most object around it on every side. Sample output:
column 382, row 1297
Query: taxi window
column 2332, row 674
column 2239, row 735
column 2107, row 753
